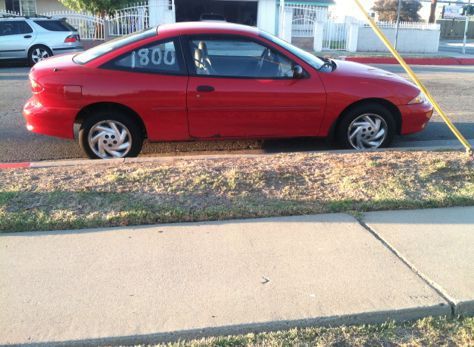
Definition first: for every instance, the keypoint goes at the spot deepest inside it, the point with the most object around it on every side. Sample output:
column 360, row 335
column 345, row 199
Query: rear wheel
column 110, row 135
column 369, row 126
column 38, row 53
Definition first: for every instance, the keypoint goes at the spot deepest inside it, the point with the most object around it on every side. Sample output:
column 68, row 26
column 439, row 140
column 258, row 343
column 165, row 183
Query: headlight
column 420, row 99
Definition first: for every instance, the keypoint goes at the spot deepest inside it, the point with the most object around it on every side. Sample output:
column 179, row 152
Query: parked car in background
column 210, row 81
column 36, row 38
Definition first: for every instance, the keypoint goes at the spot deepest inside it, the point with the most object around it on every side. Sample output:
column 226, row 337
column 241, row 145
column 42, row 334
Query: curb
column 412, row 61
column 168, row 159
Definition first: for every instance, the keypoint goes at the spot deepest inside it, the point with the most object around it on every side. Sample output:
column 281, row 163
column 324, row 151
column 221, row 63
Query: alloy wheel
column 110, row 139
column 39, row 54
column 367, row 131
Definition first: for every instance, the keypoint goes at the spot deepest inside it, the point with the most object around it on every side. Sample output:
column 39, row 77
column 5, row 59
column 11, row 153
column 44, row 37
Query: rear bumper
column 415, row 117
column 50, row 121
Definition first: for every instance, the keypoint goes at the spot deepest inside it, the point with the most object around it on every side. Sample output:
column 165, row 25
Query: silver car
column 36, row 38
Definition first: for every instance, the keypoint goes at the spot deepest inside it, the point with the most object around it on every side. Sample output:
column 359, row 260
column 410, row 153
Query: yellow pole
column 415, row 79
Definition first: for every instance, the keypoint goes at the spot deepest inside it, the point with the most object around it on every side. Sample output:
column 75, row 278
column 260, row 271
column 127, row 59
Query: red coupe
column 189, row 81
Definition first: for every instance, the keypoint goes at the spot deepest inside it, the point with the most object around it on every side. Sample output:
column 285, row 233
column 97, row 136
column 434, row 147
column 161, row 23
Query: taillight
column 36, row 88
column 72, row 38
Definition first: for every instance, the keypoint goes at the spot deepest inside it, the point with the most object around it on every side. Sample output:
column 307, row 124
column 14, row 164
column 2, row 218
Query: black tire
column 33, row 51
column 342, row 131
column 134, row 136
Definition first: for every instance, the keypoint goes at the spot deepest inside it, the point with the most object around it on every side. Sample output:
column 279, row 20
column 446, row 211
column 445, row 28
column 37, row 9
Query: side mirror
column 298, row 72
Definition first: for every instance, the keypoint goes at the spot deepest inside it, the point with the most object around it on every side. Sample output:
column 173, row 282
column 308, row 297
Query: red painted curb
column 14, row 165
column 413, row 61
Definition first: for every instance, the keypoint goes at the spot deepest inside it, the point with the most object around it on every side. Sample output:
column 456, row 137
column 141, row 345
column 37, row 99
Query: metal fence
column 128, row 20
column 405, row 25
column 335, row 36
column 121, row 22
column 9, row 13
column 90, row 27
column 304, row 17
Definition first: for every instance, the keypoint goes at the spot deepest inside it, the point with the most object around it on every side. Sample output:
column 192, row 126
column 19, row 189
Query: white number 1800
column 145, row 55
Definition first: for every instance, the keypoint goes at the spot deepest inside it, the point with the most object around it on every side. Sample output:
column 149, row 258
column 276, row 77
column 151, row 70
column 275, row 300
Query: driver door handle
column 203, row 89
column 27, row 36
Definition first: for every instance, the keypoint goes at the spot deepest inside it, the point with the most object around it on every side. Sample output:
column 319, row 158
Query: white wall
column 266, row 15
column 409, row 40
column 160, row 13
column 44, row 6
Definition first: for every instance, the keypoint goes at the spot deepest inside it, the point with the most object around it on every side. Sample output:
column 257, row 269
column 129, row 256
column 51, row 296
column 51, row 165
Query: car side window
column 7, row 28
column 162, row 57
column 237, row 57
column 24, row 27
column 14, row 28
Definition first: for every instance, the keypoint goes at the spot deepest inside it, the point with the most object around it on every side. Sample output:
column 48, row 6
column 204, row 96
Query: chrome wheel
column 110, row 139
column 368, row 131
column 39, row 54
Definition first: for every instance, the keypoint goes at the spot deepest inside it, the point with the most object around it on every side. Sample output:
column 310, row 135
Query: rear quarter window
column 55, row 25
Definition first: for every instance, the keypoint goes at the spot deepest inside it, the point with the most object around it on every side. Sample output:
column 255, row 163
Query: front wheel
column 110, row 136
column 366, row 127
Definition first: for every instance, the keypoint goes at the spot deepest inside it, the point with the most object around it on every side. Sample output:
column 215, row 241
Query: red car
column 209, row 81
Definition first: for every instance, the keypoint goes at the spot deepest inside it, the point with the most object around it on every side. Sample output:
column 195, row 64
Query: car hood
column 352, row 69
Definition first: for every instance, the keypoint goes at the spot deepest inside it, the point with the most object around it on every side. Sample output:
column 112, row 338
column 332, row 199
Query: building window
column 23, row 7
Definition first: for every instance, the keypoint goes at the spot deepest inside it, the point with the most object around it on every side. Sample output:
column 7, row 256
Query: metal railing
column 90, row 27
column 128, row 20
column 405, row 25
column 335, row 36
column 304, row 17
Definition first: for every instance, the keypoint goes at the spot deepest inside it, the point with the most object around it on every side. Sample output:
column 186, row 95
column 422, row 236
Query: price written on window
column 154, row 56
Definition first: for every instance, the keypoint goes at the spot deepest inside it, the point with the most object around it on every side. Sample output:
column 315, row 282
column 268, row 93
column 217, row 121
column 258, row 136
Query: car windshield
column 100, row 50
column 312, row 60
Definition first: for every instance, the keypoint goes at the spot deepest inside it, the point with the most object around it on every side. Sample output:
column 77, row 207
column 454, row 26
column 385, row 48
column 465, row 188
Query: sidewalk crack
column 433, row 285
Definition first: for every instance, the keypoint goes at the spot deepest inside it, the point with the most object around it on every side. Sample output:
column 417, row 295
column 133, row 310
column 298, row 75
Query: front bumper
column 415, row 117
column 52, row 121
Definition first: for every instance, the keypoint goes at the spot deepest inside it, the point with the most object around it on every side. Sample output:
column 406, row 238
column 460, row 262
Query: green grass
column 198, row 190
column 424, row 332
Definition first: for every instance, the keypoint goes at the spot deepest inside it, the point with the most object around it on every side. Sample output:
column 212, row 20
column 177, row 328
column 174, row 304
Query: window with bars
column 23, row 7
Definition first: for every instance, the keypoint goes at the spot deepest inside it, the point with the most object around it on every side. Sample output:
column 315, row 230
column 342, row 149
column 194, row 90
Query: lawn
column 191, row 189
column 424, row 332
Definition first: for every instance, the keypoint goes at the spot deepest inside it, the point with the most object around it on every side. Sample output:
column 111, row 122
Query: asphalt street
column 451, row 85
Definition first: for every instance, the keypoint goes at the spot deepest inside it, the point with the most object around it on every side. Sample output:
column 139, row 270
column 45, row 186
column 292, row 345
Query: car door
column 15, row 38
column 240, row 87
column 151, row 80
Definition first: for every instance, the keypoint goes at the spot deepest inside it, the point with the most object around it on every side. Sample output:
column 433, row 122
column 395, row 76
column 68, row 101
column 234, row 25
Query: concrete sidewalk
column 165, row 282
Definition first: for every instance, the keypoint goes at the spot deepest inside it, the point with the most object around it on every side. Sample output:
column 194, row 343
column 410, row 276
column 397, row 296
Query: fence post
column 352, row 36
column 106, row 29
column 318, row 36
column 288, row 29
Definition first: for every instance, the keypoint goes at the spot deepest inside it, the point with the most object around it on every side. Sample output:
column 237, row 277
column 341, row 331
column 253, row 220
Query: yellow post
column 415, row 79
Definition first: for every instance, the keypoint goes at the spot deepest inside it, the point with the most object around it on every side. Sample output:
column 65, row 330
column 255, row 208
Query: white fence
column 303, row 18
column 121, row 22
column 335, row 36
column 8, row 13
column 405, row 25
column 89, row 27
column 128, row 20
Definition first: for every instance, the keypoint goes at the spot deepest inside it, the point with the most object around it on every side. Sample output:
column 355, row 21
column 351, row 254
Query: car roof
column 30, row 18
column 206, row 27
